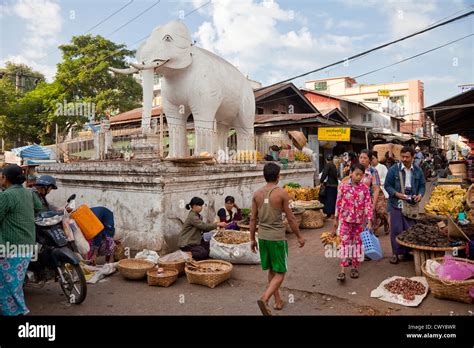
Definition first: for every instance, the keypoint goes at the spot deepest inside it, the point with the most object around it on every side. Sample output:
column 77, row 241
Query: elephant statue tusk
column 148, row 66
column 124, row 71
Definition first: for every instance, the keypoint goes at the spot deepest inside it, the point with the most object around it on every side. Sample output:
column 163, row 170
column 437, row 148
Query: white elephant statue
column 194, row 81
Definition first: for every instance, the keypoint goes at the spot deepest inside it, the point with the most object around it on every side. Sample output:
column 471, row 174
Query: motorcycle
column 56, row 256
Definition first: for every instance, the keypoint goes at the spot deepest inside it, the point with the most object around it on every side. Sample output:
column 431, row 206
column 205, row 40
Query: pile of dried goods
column 232, row 237
column 406, row 287
column 193, row 266
column 424, row 235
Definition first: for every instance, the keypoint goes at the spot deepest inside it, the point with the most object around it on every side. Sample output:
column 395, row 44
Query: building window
column 366, row 118
column 371, row 99
column 321, row 86
column 259, row 111
column 275, row 112
column 398, row 99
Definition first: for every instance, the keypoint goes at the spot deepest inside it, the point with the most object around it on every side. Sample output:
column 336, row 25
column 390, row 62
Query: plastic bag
column 104, row 271
column 67, row 228
column 452, row 269
column 178, row 255
column 148, row 255
column 82, row 244
column 234, row 253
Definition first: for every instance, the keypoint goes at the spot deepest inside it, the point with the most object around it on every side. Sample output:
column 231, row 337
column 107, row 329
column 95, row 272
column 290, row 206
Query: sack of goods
column 234, row 247
column 446, row 200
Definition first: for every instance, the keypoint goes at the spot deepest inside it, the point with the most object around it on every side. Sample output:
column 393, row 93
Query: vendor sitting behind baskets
column 229, row 214
column 190, row 238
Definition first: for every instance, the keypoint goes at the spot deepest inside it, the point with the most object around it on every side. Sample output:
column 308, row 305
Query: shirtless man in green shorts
column 268, row 204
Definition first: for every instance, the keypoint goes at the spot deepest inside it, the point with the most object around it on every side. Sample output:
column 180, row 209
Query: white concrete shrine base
column 148, row 197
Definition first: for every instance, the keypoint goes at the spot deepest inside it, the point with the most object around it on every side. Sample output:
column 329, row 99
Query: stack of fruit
column 329, row 238
column 298, row 193
column 446, row 200
column 302, row 157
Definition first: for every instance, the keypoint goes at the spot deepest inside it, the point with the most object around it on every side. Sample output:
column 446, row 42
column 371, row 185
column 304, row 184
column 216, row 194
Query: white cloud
column 48, row 70
column 43, row 23
column 247, row 33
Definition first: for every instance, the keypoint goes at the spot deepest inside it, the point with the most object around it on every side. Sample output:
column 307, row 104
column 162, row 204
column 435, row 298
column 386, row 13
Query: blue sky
column 267, row 40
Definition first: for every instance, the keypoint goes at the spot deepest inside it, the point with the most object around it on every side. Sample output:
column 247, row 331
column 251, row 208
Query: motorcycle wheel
column 74, row 285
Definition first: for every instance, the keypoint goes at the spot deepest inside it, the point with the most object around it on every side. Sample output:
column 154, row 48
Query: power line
column 384, row 67
column 377, row 48
column 198, row 8
column 134, row 18
column 430, row 25
column 107, row 18
column 95, row 26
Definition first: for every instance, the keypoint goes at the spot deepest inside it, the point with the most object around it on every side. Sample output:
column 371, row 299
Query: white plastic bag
column 176, row 256
column 148, row 255
column 383, row 294
column 103, row 271
column 234, row 253
column 82, row 244
column 67, row 229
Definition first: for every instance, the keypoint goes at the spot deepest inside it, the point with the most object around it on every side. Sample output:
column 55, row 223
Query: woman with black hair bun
column 190, row 238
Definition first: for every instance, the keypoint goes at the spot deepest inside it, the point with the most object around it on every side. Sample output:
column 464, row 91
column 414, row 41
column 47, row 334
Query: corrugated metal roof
column 134, row 115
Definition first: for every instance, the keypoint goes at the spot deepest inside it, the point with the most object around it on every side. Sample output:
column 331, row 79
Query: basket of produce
column 134, row 268
column 162, row 276
column 177, row 265
column 298, row 193
column 299, row 217
column 313, row 204
column 312, row 219
column 209, row 273
column 426, row 237
column 446, row 200
column 457, row 290
column 233, row 246
column 300, row 156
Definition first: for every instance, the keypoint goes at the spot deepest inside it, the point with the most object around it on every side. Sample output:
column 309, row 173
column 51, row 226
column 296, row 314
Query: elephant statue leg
column 245, row 139
column 178, row 142
column 222, row 136
column 206, row 137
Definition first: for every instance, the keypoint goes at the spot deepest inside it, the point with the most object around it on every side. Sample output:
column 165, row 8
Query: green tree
column 26, row 77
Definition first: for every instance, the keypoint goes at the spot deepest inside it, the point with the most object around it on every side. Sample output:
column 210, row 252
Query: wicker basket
column 298, row 138
column 299, row 218
column 134, row 268
column 164, row 279
column 457, row 290
column 177, row 265
column 312, row 219
column 210, row 279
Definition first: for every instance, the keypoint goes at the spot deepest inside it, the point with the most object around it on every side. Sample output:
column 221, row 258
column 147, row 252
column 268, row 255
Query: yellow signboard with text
column 334, row 133
column 384, row 93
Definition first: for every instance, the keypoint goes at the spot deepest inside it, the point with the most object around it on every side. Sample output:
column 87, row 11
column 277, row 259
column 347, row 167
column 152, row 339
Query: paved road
column 310, row 288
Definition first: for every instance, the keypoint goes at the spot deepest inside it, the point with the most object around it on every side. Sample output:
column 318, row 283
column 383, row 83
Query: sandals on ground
column 394, row 259
column 354, row 273
column 341, row 277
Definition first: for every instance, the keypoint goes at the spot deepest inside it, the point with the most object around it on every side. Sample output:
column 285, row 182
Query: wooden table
column 423, row 253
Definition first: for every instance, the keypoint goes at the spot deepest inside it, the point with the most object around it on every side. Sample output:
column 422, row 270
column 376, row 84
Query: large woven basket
column 299, row 218
column 164, row 279
column 312, row 219
column 210, row 279
column 134, row 268
column 177, row 265
column 457, row 290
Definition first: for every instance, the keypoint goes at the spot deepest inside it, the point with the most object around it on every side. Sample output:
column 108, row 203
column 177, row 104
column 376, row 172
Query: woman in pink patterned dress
column 353, row 210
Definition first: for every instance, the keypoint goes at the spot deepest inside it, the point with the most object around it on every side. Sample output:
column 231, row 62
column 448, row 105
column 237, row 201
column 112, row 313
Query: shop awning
column 34, row 151
column 454, row 115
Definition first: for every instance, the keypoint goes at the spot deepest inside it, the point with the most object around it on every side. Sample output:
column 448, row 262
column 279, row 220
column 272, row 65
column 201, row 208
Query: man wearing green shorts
column 268, row 204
